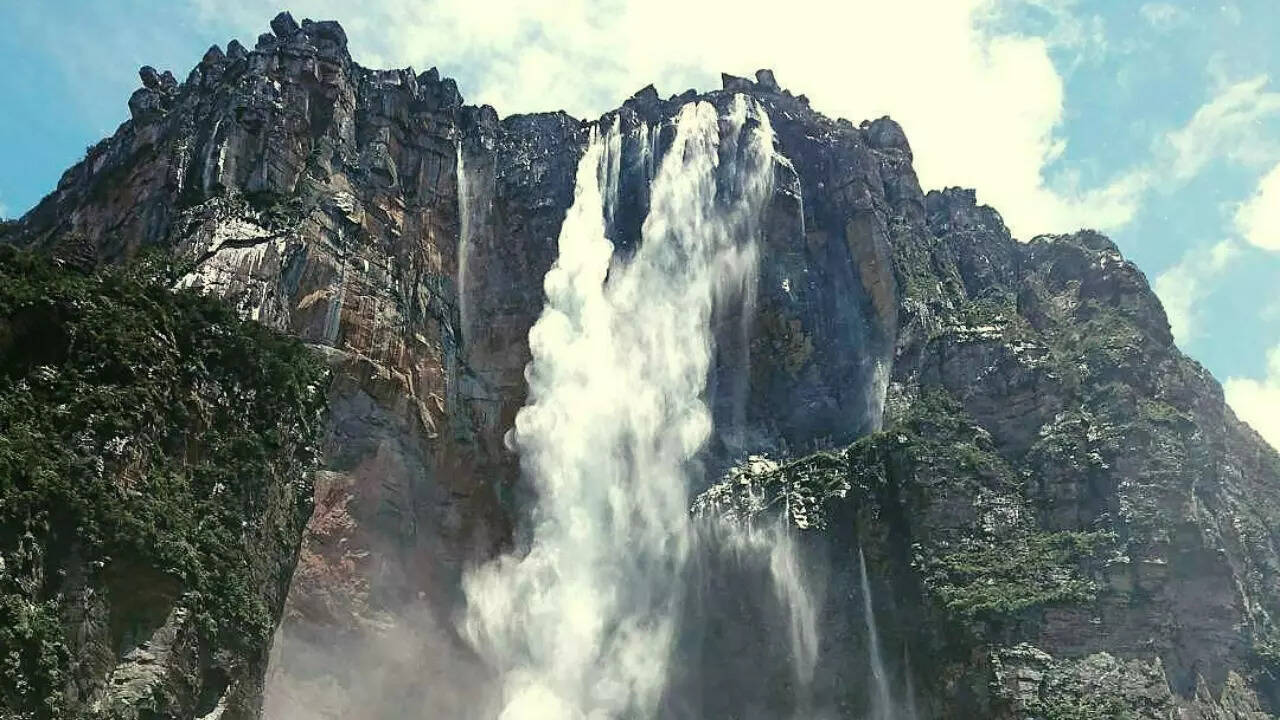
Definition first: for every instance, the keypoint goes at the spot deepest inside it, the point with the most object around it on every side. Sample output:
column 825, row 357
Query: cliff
column 1054, row 502
column 1062, row 516
column 155, row 452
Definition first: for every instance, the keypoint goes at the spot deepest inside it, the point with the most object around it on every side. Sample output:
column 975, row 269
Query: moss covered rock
column 155, row 457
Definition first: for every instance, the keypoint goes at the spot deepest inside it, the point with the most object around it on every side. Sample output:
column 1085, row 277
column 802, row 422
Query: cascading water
column 794, row 593
column 772, row 547
column 881, row 699
column 465, row 223
column 475, row 180
column 911, row 711
column 882, row 704
column 582, row 624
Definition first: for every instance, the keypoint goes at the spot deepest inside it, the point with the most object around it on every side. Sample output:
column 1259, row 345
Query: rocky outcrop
column 320, row 198
column 1063, row 517
column 155, row 459
column 1026, row 406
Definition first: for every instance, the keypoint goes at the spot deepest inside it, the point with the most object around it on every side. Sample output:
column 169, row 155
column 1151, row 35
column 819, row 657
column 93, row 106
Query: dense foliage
column 148, row 433
column 1005, row 576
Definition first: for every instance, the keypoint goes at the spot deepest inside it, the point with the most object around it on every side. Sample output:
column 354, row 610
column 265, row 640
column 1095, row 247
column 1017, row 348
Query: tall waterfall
column 582, row 623
column 465, row 224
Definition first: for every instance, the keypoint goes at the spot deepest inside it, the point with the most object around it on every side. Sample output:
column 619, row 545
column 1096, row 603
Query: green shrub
column 140, row 427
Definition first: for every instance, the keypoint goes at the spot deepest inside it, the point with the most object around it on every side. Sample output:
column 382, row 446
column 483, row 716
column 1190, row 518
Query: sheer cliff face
column 1035, row 388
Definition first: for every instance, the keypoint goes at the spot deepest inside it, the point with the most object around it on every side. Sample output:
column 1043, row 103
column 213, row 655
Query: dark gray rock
column 150, row 79
column 235, row 50
column 328, row 36
column 645, row 101
column 885, row 134
column 213, row 56
column 284, row 26
column 145, row 104
column 733, row 83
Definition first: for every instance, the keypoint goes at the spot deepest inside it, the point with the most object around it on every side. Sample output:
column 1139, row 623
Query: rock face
column 1062, row 517
column 320, row 198
column 154, row 486
column 1039, row 419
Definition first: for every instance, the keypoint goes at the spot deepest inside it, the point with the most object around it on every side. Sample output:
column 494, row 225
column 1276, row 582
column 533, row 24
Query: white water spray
column 582, row 625
column 475, row 207
column 882, row 703
column 464, row 241
column 775, row 542
column 912, row 713
column 793, row 592
column 881, row 699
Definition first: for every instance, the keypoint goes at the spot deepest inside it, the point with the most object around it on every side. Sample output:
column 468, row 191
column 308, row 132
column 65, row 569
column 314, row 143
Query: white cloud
column 1076, row 36
column 1258, row 218
column 1232, row 13
column 1230, row 125
column 1182, row 287
column 1162, row 15
column 980, row 99
column 1257, row 402
column 982, row 105
column 1271, row 311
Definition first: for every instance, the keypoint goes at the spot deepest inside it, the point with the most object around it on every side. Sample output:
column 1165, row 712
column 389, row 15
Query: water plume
column 581, row 623
column 755, row 534
column 881, row 698
column 883, row 706
column 464, row 239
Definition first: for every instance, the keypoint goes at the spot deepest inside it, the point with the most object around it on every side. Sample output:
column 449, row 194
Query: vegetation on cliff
column 153, row 446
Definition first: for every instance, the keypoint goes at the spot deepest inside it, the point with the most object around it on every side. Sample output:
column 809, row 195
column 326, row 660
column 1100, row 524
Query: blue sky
column 1156, row 122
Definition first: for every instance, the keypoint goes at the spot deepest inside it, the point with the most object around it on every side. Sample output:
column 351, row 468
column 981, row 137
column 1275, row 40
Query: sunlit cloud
column 1230, row 125
column 981, row 104
column 1162, row 16
column 1257, row 401
column 1258, row 218
column 1182, row 287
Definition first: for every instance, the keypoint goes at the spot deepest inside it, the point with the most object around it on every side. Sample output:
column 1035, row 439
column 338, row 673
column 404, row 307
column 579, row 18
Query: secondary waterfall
column 464, row 241
column 581, row 624
column 882, row 704
column 773, row 544
column 881, row 699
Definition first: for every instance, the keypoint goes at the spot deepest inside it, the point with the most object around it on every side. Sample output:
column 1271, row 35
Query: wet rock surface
column 1025, row 401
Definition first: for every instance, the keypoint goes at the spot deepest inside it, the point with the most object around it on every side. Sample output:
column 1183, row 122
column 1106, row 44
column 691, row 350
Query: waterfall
column 475, row 180
column 464, row 241
column 794, row 593
column 911, row 712
column 775, row 545
column 882, row 704
column 881, row 698
column 581, row 623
